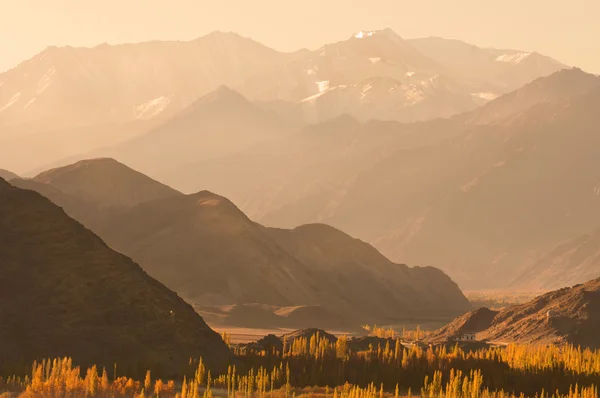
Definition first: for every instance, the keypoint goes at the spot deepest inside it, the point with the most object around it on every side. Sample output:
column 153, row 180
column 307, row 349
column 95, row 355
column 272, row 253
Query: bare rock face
column 64, row 292
column 569, row 315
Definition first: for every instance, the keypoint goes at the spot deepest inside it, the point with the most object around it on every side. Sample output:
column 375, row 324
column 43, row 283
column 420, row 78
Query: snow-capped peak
column 515, row 58
column 363, row 33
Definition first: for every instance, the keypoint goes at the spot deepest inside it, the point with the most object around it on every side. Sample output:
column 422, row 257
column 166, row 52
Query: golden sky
column 566, row 30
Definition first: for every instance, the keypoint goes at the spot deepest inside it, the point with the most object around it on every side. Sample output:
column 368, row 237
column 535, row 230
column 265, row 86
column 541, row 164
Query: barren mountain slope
column 220, row 123
column 65, row 293
column 567, row 315
column 7, row 175
column 494, row 71
column 482, row 202
column 208, row 251
column 106, row 183
column 215, row 256
column 569, row 263
column 364, row 279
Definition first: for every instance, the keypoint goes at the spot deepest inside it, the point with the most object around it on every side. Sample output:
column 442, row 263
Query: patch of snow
column 485, row 96
column 45, row 81
column 413, row 95
column 374, row 60
column 362, row 34
column 467, row 187
column 31, row 101
column 152, row 108
column 365, row 90
column 323, row 85
column 311, row 72
column 313, row 97
column 513, row 58
column 409, row 74
column 11, row 101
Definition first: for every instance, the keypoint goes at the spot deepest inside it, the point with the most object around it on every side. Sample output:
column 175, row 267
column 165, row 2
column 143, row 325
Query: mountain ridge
column 568, row 315
column 217, row 256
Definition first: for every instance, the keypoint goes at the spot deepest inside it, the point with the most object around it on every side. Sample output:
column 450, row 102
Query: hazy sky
column 566, row 30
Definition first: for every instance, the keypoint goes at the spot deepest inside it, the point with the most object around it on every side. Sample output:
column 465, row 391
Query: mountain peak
column 387, row 32
column 222, row 94
column 106, row 182
column 7, row 175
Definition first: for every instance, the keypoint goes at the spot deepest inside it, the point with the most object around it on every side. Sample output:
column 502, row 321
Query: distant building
column 468, row 337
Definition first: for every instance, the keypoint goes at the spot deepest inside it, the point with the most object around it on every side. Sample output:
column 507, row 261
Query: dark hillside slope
column 63, row 292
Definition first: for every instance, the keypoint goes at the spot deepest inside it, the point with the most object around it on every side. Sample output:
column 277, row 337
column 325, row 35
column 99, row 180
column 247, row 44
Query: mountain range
column 67, row 101
column 66, row 293
column 204, row 248
column 285, row 139
column 483, row 195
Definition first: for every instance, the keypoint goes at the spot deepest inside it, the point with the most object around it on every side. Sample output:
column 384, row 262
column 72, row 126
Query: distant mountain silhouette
column 106, row 183
column 71, row 295
column 219, row 123
column 493, row 71
column 89, row 98
column 569, row 315
column 7, row 175
column 67, row 101
column 484, row 202
column 555, row 88
column 569, row 263
column 203, row 247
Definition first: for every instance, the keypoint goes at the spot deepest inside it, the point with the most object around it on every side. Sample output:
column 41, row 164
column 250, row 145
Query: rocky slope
column 68, row 294
column 570, row 315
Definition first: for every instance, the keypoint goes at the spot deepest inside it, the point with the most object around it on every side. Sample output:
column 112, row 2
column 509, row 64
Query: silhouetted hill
column 208, row 251
column 217, row 257
column 362, row 279
column 7, row 175
column 71, row 295
column 222, row 122
column 93, row 216
column 106, row 183
column 261, row 316
column 552, row 89
column 569, row 315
